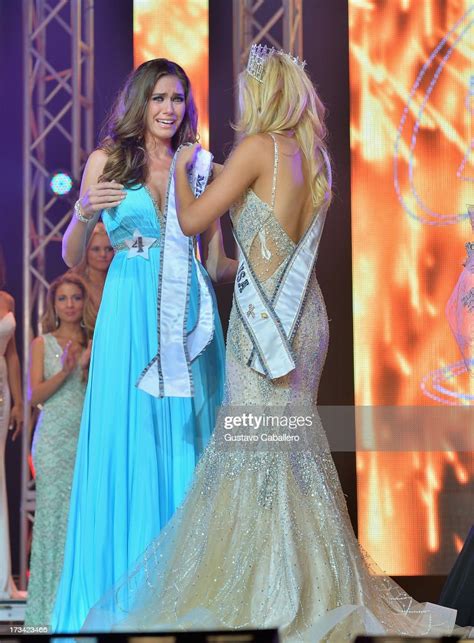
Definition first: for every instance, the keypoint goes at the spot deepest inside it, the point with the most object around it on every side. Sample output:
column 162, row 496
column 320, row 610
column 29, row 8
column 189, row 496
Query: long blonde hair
column 89, row 313
column 287, row 100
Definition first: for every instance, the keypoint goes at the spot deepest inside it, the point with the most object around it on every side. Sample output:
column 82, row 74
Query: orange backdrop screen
column 177, row 30
column 412, row 152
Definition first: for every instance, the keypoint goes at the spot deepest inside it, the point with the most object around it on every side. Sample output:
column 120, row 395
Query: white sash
column 271, row 325
column 169, row 372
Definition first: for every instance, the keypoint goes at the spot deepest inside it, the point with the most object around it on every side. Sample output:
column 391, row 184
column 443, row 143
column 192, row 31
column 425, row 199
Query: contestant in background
column 157, row 366
column 57, row 381
column 93, row 268
column 11, row 418
column 263, row 538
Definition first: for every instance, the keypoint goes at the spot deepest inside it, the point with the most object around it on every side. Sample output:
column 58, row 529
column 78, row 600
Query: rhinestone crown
column 259, row 55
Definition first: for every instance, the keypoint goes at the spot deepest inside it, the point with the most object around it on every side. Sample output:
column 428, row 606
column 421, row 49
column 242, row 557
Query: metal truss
column 58, row 133
column 277, row 23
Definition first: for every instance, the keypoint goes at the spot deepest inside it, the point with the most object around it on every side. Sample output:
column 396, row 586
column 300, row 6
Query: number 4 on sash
column 138, row 244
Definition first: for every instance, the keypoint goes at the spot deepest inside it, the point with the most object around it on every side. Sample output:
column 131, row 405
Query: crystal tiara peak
column 258, row 56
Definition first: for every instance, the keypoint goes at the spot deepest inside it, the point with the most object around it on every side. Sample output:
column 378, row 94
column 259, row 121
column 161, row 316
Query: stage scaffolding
column 58, row 133
column 277, row 23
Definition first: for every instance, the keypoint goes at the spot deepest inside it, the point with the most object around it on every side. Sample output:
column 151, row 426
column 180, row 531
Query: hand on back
column 100, row 196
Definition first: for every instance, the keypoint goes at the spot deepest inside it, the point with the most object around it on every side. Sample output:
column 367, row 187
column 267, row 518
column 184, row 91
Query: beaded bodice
column 138, row 211
column 264, row 241
column 267, row 245
column 61, row 413
column 269, row 249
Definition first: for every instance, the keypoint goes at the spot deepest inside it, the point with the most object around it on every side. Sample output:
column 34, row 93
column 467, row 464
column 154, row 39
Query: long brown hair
column 123, row 133
column 48, row 320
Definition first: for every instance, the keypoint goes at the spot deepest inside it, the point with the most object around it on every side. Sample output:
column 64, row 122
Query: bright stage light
column 61, row 183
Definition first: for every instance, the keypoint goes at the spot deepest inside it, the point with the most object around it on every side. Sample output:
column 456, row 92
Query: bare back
column 283, row 185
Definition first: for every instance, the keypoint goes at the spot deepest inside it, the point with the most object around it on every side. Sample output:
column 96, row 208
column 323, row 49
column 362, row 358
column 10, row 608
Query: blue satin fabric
column 136, row 453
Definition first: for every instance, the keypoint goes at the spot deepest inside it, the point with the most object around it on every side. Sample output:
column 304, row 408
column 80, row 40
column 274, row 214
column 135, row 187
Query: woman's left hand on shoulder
column 240, row 171
column 187, row 155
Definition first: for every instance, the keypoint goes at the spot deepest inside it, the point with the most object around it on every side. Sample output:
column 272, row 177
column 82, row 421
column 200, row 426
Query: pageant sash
column 271, row 324
column 169, row 372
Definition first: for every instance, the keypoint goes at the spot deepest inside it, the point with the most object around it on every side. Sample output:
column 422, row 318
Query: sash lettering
column 271, row 324
column 169, row 373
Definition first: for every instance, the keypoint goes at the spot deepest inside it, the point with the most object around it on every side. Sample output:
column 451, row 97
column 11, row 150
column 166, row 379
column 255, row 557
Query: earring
column 56, row 320
column 82, row 324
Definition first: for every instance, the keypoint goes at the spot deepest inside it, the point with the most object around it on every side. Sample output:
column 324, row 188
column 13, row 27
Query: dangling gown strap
column 276, row 159
column 266, row 253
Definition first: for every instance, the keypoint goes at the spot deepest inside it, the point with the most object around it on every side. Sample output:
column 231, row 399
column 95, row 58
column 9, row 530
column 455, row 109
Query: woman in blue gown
column 138, row 445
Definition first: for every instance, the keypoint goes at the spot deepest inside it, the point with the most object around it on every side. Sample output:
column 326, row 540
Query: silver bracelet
column 78, row 212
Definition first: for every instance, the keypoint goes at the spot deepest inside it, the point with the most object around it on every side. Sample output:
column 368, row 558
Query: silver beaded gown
column 54, row 454
column 263, row 538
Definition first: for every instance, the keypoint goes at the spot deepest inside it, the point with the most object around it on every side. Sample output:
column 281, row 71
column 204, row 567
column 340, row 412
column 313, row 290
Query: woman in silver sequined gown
column 57, row 381
column 263, row 538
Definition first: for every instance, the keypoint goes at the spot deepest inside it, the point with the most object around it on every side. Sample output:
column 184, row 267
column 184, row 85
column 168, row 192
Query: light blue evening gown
column 136, row 453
